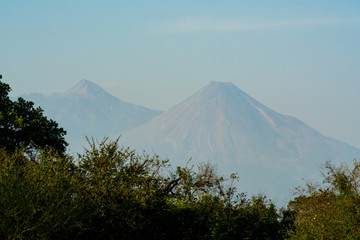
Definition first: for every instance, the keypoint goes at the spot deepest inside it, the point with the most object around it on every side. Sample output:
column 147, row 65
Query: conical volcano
column 88, row 110
column 224, row 125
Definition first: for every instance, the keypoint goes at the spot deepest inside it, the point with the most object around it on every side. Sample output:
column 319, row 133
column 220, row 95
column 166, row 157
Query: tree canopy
column 330, row 210
column 24, row 126
column 114, row 193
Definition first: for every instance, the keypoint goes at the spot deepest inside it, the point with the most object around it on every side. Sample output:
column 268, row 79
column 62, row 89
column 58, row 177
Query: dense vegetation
column 112, row 192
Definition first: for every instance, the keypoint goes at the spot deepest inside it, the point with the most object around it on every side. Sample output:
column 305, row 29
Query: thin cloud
column 210, row 24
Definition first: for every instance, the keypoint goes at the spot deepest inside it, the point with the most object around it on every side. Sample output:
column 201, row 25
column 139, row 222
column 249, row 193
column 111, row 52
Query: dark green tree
column 24, row 126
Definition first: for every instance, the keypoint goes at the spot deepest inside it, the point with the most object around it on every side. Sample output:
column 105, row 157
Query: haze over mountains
column 271, row 152
column 88, row 110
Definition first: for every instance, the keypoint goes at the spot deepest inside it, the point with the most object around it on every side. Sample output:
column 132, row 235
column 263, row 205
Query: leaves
column 24, row 126
column 114, row 193
column 329, row 211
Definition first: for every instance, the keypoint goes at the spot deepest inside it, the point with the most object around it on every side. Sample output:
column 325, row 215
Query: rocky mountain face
column 88, row 110
column 271, row 152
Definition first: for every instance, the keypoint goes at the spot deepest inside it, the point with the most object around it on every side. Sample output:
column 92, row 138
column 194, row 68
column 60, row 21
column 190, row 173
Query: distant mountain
column 88, row 110
column 222, row 124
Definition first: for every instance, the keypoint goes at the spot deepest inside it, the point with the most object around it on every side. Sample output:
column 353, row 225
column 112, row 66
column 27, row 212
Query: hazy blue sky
column 300, row 58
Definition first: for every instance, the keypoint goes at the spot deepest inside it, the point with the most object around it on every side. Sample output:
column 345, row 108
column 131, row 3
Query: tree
column 331, row 210
column 24, row 126
column 121, row 191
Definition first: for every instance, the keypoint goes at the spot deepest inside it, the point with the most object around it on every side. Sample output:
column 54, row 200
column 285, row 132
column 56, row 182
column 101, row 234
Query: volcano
column 88, row 110
column 221, row 124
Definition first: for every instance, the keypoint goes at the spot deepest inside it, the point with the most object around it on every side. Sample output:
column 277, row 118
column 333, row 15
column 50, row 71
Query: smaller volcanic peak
column 88, row 110
column 86, row 88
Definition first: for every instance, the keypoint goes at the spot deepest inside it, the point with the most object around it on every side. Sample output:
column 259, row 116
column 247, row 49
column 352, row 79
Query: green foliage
column 36, row 197
column 256, row 218
column 113, row 193
column 331, row 211
column 23, row 126
column 123, row 191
